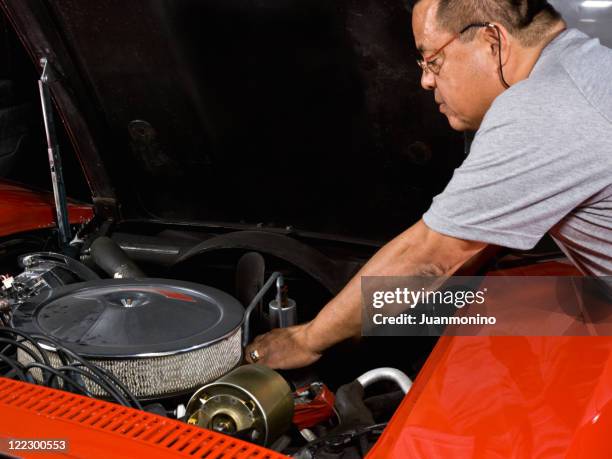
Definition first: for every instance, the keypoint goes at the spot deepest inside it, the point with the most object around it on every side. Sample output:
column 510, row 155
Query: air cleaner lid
column 131, row 317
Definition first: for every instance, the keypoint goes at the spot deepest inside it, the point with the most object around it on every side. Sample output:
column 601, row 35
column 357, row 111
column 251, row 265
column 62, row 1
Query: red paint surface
column 175, row 295
column 508, row 397
column 97, row 429
column 22, row 209
column 317, row 411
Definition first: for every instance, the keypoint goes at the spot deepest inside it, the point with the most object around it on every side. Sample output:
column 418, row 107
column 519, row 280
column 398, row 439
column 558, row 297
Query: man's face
column 468, row 81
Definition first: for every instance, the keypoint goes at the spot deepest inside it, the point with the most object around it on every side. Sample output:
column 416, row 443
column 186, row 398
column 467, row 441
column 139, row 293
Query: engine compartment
column 158, row 320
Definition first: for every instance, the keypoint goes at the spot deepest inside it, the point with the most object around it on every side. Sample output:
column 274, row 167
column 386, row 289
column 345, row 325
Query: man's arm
column 418, row 251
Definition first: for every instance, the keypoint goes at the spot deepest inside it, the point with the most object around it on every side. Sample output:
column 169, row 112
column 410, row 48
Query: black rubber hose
column 113, row 379
column 119, row 398
column 58, row 374
column 107, row 254
column 98, row 371
column 27, row 337
column 15, row 366
column 98, row 375
column 23, row 347
column 351, row 409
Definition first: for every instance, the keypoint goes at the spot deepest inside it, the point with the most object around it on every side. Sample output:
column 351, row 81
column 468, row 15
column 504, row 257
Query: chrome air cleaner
column 159, row 337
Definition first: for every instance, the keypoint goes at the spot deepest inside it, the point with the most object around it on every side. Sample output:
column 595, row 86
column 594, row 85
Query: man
column 540, row 100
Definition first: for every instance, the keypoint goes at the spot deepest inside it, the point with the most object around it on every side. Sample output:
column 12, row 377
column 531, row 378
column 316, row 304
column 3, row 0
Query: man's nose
column 428, row 80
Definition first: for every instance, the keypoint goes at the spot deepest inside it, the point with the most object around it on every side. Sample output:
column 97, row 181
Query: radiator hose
column 112, row 259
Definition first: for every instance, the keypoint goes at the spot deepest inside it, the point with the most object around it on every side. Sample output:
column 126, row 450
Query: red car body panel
column 94, row 429
column 22, row 209
column 508, row 397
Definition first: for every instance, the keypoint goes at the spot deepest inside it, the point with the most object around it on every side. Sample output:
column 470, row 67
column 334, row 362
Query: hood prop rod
column 55, row 162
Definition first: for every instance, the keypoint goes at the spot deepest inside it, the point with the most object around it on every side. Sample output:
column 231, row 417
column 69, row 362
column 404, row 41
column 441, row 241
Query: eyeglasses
column 433, row 62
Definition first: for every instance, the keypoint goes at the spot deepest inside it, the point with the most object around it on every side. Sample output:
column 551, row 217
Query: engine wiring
column 73, row 372
column 340, row 439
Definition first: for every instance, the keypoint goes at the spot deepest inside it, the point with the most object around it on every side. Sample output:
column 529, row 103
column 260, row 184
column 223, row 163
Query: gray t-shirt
column 542, row 161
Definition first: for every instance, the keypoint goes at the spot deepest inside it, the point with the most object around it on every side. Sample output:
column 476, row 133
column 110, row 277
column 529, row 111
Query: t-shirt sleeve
column 524, row 173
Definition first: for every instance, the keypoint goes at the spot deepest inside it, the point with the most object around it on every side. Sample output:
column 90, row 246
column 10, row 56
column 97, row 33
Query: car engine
column 89, row 320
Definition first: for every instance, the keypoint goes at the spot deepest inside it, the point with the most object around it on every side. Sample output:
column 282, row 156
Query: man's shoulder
column 588, row 64
column 570, row 81
column 537, row 102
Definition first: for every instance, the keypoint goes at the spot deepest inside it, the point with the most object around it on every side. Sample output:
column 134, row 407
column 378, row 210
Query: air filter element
column 159, row 337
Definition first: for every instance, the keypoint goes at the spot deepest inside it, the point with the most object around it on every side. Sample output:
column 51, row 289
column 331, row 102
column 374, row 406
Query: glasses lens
column 434, row 65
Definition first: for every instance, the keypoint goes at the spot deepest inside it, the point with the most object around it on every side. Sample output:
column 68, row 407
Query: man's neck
column 525, row 58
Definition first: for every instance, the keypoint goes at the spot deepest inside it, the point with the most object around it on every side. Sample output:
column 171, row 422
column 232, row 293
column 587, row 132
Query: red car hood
column 22, row 209
column 508, row 397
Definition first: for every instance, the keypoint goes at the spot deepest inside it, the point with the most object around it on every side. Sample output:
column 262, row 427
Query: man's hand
column 418, row 251
column 283, row 348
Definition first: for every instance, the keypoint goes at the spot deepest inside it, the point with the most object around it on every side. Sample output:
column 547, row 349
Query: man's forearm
column 409, row 254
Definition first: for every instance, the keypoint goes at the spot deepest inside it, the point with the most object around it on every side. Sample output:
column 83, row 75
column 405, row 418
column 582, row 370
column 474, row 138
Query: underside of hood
column 302, row 113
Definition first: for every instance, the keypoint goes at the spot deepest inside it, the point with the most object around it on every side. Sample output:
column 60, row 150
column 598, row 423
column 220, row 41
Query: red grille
column 95, row 428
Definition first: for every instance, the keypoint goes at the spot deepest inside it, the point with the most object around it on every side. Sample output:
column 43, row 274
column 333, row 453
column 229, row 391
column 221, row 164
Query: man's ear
column 494, row 35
